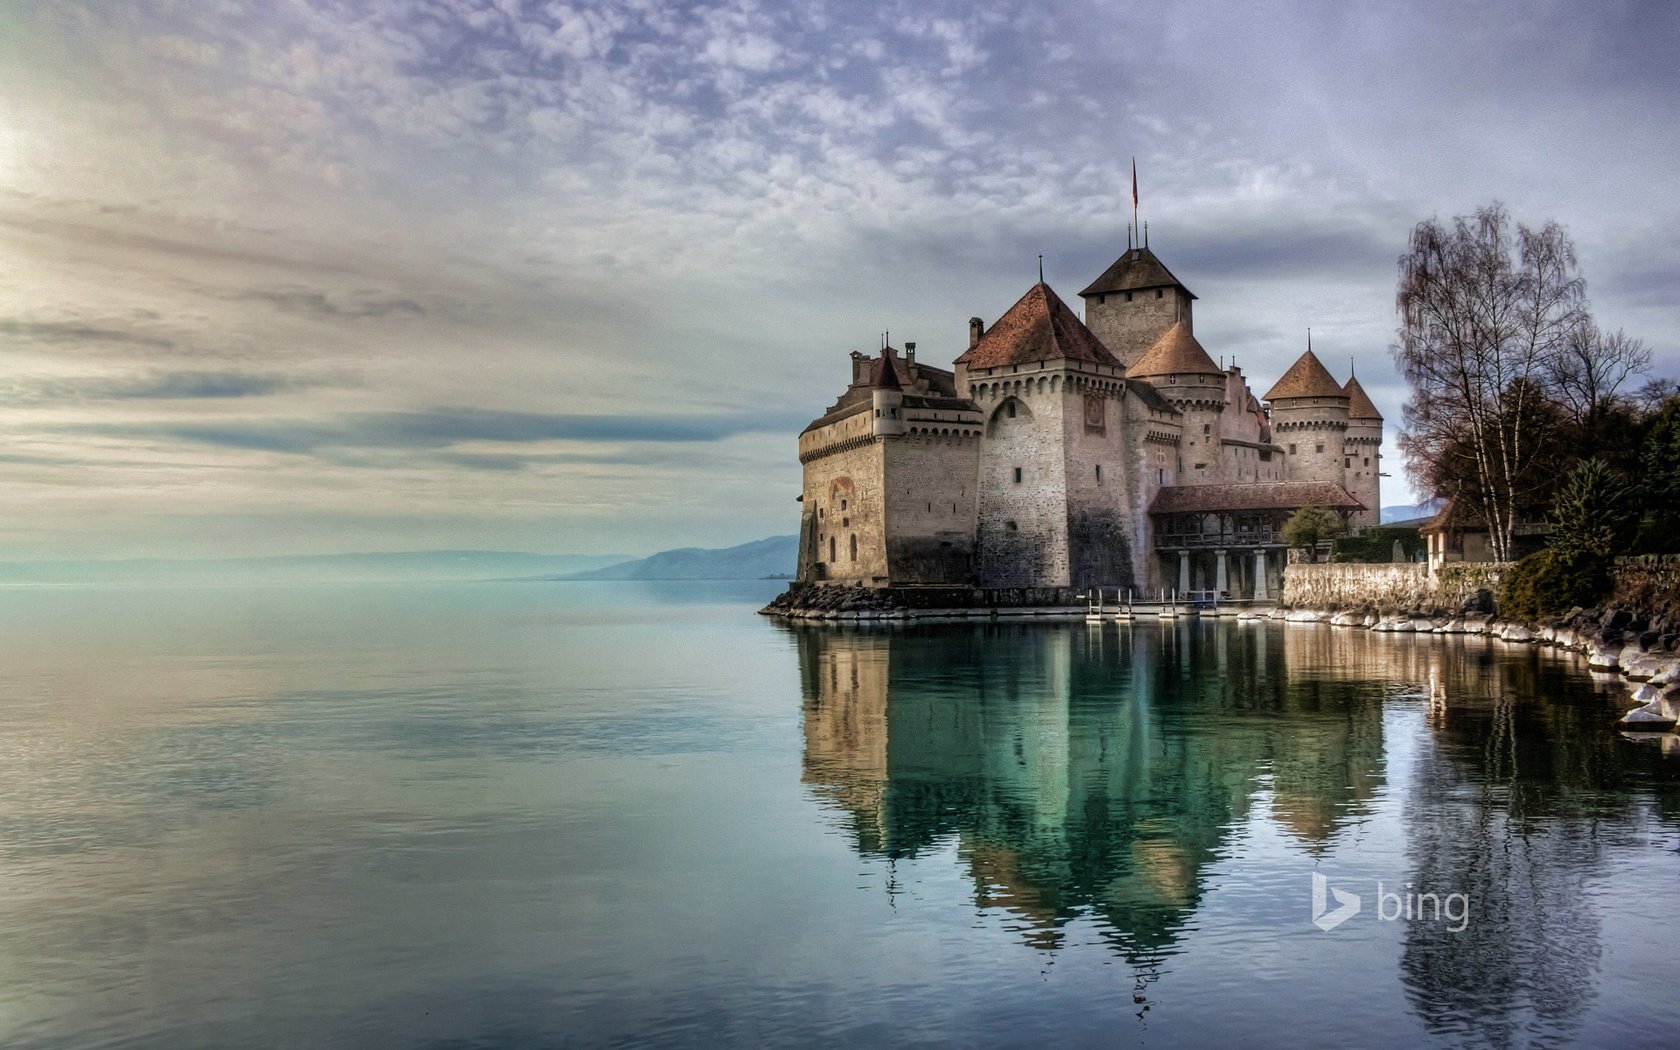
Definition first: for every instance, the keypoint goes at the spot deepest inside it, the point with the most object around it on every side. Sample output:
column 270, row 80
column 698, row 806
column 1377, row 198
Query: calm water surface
column 510, row 815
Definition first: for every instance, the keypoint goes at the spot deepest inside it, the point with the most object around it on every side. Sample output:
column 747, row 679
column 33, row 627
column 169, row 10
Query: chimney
column 909, row 353
column 976, row 328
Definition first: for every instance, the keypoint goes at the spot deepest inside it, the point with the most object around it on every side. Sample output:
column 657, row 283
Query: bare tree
column 1590, row 367
column 1485, row 313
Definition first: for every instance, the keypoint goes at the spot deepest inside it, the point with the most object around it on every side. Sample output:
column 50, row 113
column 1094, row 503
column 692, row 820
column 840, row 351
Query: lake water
column 510, row 815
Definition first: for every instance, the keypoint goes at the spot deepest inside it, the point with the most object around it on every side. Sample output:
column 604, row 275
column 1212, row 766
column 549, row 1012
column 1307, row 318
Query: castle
column 1067, row 454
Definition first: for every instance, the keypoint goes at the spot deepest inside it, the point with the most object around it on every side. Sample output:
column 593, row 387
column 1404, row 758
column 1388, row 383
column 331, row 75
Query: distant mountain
column 777, row 556
column 310, row 568
column 1408, row 511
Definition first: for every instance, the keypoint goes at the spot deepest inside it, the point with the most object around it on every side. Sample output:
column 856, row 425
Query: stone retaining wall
column 1649, row 583
column 1402, row 587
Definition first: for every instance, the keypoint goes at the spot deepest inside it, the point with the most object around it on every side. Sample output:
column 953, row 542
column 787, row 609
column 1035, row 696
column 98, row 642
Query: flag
column 1134, row 184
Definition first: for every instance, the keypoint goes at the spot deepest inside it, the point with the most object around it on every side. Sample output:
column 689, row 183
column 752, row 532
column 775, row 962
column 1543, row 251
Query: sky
column 308, row 276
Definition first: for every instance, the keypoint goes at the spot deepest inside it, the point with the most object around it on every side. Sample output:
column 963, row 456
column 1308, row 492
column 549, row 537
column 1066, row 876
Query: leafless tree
column 1590, row 368
column 1485, row 313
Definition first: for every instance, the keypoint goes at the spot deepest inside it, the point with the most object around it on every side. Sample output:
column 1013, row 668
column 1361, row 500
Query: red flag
column 1134, row 183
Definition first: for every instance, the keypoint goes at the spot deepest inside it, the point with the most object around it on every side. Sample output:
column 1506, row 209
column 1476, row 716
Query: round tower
column 1178, row 367
column 888, row 398
column 1362, row 454
column 1310, row 421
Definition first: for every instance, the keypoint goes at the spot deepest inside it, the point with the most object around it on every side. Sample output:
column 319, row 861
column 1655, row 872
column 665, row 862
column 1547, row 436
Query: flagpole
column 1135, row 225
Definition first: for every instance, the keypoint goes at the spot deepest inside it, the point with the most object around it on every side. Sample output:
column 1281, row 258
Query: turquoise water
column 509, row 815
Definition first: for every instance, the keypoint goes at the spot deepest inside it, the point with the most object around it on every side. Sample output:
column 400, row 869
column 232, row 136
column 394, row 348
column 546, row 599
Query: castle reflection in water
column 1084, row 770
column 1098, row 771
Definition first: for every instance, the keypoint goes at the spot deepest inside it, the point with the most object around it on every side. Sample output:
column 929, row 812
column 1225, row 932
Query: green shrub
column 1375, row 545
column 1551, row 582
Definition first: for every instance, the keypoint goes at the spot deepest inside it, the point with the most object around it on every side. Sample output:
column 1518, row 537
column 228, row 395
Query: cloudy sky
column 295, row 276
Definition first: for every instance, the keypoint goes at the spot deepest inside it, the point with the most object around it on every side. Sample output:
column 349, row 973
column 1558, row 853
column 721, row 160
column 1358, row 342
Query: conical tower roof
column 1307, row 377
column 886, row 371
column 1134, row 271
column 1175, row 353
column 1359, row 403
column 1039, row 327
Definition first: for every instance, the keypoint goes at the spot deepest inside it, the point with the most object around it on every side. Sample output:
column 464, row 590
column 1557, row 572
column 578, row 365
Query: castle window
column 1346, row 462
column 842, row 504
column 845, row 523
column 1009, row 410
column 1319, row 447
column 1128, row 297
column 1160, row 476
column 854, row 546
column 1102, row 299
column 1291, row 449
column 1367, row 461
column 1099, row 473
column 831, row 556
column 1017, row 475
column 1160, row 293
column 1207, row 428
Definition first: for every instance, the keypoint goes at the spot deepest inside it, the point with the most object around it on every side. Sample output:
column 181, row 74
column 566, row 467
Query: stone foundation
column 828, row 602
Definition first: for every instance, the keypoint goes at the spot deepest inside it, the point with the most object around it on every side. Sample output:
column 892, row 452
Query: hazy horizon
column 308, row 278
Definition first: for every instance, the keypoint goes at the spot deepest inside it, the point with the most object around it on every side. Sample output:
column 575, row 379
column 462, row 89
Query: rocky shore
column 1644, row 650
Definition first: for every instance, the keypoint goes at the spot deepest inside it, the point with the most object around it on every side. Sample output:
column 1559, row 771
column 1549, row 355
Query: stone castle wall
column 1098, row 525
column 1021, row 526
column 1362, row 455
column 844, row 496
column 931, row 501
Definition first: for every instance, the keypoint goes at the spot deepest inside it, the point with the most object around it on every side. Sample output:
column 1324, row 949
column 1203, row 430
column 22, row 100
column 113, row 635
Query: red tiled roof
column 1359, row 403
column 1138, row 268
column 1175, row 353
column 1307, row 377
column 1039, row 327
column 1266, row 495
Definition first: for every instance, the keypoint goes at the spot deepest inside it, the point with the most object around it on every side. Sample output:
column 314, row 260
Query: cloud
column 439, row 428
column 320, row 304
column 160, row 386
column 59, row 333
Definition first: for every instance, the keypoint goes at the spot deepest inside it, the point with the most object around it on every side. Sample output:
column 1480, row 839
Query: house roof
column 1359, row 403
column 1175, row 353
column 1267, row 495
column 1039, row 327
column 1137, row 269
column 1307, row 377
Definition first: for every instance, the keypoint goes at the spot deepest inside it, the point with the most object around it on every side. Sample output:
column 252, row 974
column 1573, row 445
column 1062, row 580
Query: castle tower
column 1310, row 421
column 887, row 398
column 1134, row 303
column 1362, row 454
column 1183, row 373
column 1053, row 478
